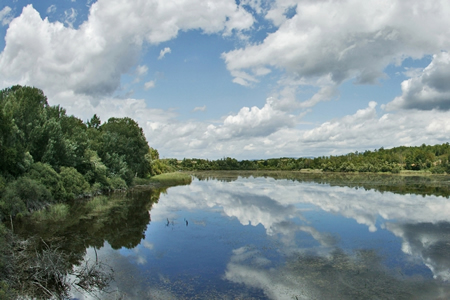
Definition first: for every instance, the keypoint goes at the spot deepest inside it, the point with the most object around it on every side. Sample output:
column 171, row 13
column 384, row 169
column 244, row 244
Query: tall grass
column 172, row 179
column 55, row 213
column 98, row 205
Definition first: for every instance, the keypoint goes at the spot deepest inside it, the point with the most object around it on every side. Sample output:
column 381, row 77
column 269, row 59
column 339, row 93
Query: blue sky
column 246, row 79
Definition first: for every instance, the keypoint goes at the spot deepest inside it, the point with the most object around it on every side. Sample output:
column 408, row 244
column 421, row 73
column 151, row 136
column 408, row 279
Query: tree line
column 47, row 156
column 434, row 159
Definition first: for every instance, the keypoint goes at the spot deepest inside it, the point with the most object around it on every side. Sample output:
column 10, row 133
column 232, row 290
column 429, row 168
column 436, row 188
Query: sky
column 247, row 79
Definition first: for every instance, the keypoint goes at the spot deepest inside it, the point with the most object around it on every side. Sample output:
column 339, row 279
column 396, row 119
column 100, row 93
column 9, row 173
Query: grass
column 100, row 204
column 141, row 181
column 55, row 213
column 171, row 179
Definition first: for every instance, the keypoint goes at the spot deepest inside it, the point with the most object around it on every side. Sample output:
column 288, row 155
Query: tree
column 94, row 122
column 47, row 176
column 122, row 138
column 73, row 182
column 22, row 195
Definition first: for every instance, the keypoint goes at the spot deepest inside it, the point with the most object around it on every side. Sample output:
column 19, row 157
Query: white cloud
column 325, row 43
column 420, row 221
column 163, row 52
column 91, row 59
column 199, row 108
column 267, row 132
column 141, row 70
column 149, row 84
column 428, row 89
column 343, row 40
column 251, row 122
column 5, row 15
column 51, row 9
column 70, row 16
column 429, row 242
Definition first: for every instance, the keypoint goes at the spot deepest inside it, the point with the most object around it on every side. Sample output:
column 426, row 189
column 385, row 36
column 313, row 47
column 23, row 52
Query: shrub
column 73, row 182
column 2, row 185
column 22, row 195
column 117, row 183
column 396, row 170
column 46, row 175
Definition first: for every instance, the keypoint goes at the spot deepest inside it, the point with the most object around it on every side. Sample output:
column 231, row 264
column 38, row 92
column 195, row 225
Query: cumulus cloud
column 428, row 89
column 163, row 52
column 267, row 132
column 251, row 122
column 90, row 60
column 342, row 40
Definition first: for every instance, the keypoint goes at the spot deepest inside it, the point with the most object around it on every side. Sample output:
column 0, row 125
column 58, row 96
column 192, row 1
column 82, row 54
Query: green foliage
column 98, row 205
column 141, row 181
column 123, row 141
column 2, row 184
column 117, row 183
column 94, row 122
column 23, row 195
column 55, row 213
column 161, row 166
column 171, row 179
column 6, row 292
column 47, row 176
column 424, row 158
column 96, row 171
column 73, row 182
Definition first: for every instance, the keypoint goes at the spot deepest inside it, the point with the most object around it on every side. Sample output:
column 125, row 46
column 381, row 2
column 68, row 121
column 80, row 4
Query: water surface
column 262, row 238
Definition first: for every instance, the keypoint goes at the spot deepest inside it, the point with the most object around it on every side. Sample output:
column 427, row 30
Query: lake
column 245, row 237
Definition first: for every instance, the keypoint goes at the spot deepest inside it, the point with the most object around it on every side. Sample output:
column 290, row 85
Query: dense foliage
column 434, row 159
column 48, row 157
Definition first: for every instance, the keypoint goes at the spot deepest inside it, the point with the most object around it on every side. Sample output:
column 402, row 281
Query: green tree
column 123, row 139
column 73, row 182
column 94, row 122
column 22, row 195
column 47, row 176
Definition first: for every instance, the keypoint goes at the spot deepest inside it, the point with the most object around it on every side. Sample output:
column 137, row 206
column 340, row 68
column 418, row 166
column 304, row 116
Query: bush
column 46, row 175
column 396, row 170
column 438, row 170
column 160, row 166
column 73, row 182
column 22, row 195
column 117, row 183
column 2, row 185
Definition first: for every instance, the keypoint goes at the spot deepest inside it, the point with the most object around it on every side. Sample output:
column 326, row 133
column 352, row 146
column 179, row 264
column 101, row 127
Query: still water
column 266, row 238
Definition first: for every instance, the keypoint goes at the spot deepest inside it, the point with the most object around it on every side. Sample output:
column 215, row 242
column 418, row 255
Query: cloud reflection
column 279, row 204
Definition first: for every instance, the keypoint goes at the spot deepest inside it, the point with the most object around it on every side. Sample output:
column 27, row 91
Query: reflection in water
column 336, row 275
column 429, row 242
column 50, row 257
column 266, row 238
